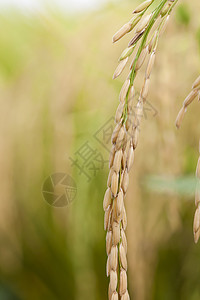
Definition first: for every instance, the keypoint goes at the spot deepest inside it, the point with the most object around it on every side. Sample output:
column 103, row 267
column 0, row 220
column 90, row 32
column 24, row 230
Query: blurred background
column 57, row 102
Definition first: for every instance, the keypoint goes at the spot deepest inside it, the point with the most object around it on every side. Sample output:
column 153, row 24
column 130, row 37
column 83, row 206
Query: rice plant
column 126, row 133
column 188, row 100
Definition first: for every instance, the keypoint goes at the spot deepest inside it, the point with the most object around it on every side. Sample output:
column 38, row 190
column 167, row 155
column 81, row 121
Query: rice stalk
column 126, row 135
column 195, row 93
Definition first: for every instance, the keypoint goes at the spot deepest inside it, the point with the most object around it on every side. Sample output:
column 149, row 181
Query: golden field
column 57, row 94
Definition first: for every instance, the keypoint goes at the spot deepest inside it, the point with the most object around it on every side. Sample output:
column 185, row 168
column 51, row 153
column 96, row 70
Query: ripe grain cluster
column 142, row 47
column 195, row 93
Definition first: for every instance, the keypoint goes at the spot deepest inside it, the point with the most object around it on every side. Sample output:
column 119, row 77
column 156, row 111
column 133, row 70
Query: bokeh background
column 56, row 97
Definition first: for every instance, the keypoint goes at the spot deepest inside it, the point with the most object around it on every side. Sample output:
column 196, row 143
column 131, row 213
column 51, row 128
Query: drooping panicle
column 125, row 138
column 195, row 92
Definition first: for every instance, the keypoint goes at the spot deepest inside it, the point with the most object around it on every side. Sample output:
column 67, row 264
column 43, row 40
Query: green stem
column 155, row 13
column 151, row 23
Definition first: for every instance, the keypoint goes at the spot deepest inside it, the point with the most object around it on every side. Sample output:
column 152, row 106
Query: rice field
column 58, row 102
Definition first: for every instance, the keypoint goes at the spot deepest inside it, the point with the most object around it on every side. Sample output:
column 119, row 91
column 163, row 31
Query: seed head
column 144, row 23
column 121, row 32
column 142, row 6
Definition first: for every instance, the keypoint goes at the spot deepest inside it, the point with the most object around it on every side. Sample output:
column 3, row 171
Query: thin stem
column 156, row 13
column 151, row 23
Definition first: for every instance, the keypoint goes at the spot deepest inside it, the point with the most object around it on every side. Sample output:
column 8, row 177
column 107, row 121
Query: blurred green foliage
column 183, row 14
column 184, row 186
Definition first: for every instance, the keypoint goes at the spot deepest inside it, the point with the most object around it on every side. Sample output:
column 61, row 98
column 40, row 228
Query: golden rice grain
column 188, row 100
column 180, row 117
column 130, row 106
column 116, row 233
column 152, row 42
column 125, row 296
column 196, row 224
column 130, row 158
column 119, row 112
column 123, row 282
column 125, row 155
column 107, row 199
column 165, row 9
column 120, row 68
column 113, row 281
column 124, row 219
column 106, row 217
column 124, row 240
column 197, row 194
column 114, row 183
column 141, row 59
column 121, row 32
column 121, row 178
column 115, row 296
column 196, row 84
column 120, row 137
column 119, row 203
column 136, row 38
column 117, row 161
column 150, row 65
column 198, row 169
column 130, row 120
column 135, row 137
column 143, row 24
column 115, row 135
column 125, row 182
column 123, row 258
column 164, row 26
column 126, row 53
column 108, row 242
column 145, row 90
column 138, row 113
column 109, row 177
column 113, row 258
column 134, row 21
column 108, row 266
column 142, row 6
column 124, row 90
